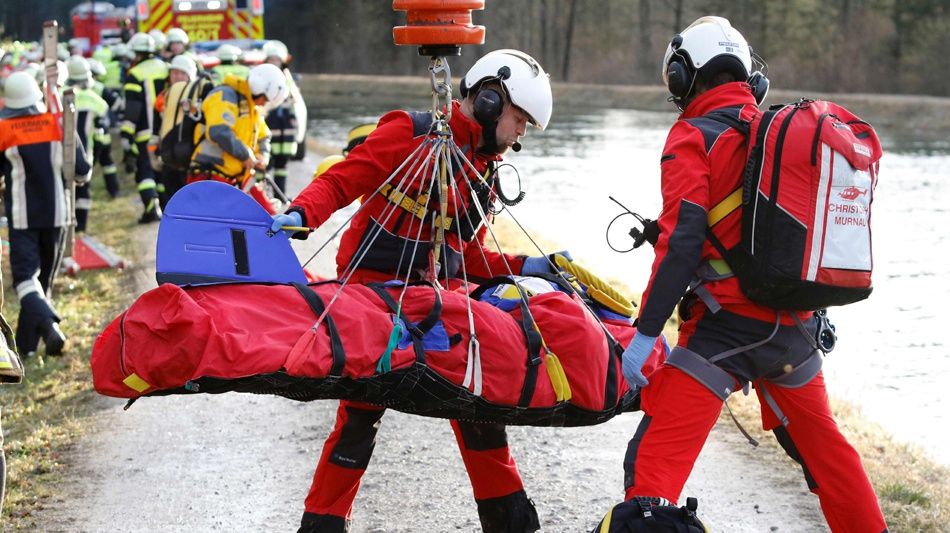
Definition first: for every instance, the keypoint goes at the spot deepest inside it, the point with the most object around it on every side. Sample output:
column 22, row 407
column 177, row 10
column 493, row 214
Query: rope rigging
column 436, row 176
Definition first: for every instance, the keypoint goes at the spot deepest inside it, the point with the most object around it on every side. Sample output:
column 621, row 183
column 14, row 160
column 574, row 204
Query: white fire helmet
column 228, row 52
column 78, row 69
column 276, row 49
column 159, row 37
column 177, row 35
column 142, row 43
column 268, row 80
column 20, row 90
column 525, row 82
column 185, row 64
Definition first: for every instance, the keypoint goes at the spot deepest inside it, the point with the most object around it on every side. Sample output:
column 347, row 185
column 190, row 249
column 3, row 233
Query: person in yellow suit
column 234, row 141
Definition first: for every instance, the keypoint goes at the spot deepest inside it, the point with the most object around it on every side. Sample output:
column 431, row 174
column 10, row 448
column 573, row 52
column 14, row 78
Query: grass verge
column 44, row 415
column 911, row 487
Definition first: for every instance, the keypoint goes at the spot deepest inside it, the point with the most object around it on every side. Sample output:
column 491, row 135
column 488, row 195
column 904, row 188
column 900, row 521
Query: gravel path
column 239, row 462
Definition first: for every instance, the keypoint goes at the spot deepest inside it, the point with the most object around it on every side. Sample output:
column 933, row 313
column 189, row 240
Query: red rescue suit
column 496, row 483
column 366, row 168
column 701, row 165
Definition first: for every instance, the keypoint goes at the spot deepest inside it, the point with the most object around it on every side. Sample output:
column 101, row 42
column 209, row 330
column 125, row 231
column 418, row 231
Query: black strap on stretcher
column 531, row 336
column 416, row 331
column 336, row 343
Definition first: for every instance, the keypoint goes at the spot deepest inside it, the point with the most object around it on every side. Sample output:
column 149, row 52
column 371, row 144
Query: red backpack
column 805, row 194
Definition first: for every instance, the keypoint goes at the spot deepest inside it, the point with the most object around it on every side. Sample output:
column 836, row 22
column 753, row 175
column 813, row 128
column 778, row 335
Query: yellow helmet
column 357, row 135
column 325, row 165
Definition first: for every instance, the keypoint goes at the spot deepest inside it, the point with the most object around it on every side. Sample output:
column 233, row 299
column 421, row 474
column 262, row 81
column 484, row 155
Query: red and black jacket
column 368, row 167
column 701, row 165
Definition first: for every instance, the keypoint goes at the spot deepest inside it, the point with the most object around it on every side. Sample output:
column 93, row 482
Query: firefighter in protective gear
column 102, row 148
column 233, row 140
column 282, row 120
column 230, row 57
column 92, row 122
column 520, row 94
column 113, row 67
column 159, row 37
column 726, row 341
column 181, row 70
column 36, row 207
column 145, row 80
column 177, row 42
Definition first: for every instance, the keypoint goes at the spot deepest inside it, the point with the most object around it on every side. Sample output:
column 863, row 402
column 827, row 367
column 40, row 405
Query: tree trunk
column 566, row 69
column 647, row 61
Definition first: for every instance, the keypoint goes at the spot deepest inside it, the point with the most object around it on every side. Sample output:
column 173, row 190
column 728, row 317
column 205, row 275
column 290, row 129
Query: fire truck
column 203, row 20
column 97, row 22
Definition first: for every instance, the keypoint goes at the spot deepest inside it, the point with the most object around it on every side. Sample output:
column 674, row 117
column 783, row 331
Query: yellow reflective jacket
column 145, row 82
column 232, row 129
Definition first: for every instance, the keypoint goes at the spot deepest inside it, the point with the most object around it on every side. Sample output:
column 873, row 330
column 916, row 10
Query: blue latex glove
column 633, row 358
column 286, row 219
column 533, row 266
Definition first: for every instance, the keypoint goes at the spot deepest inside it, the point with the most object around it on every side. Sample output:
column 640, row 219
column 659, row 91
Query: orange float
column 438, row 27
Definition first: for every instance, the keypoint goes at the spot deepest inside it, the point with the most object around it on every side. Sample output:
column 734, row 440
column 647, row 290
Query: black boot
column 53, row 337
column 513, row 513
column 323, row 523
column 153, row 213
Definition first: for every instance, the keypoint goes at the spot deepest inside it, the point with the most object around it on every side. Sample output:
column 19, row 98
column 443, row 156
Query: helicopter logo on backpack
column 852, row 193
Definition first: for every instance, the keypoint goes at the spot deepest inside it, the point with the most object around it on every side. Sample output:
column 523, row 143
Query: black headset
column 680, row 75
column 488, row 106
column 489, row 103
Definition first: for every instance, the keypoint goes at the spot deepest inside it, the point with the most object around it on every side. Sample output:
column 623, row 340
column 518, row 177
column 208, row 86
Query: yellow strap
column 605, row 524
column 723, row 208
column 416, row 207
column 136, row 383
column 562, row 388
column 599, row 290
column 6, row 364
column 720, row 266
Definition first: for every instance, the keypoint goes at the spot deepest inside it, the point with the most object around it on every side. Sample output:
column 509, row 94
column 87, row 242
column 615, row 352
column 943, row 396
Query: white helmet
column 268, row 80
column 709, row 42
column 142, row 43
column 120, row 51
column 20, row 91
column 177, row 35
column 97, row 68
column 78, row 69
column 185, row 64
column 276, row 49
column 159, row 37
column 525, row 82
column 228, row 52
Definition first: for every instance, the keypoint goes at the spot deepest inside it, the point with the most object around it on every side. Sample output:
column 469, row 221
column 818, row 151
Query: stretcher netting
column 259, row 338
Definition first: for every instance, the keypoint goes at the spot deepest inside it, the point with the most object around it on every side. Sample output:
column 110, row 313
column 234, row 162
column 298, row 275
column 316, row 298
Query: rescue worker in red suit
column 708, row 67
column 502, row 93
column 34, row 198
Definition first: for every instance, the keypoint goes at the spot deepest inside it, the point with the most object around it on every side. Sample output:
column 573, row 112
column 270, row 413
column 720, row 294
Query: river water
column 892, row 352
